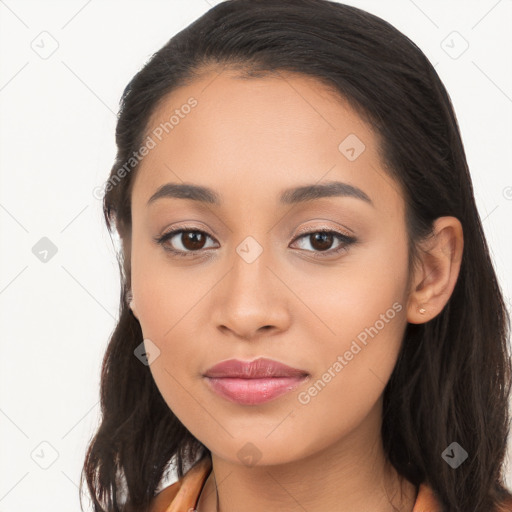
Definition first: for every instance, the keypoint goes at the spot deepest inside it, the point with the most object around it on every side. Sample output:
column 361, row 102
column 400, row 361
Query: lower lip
column 253, row 391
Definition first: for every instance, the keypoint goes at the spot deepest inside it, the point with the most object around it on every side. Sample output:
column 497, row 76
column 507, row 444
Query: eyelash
column 345, row 242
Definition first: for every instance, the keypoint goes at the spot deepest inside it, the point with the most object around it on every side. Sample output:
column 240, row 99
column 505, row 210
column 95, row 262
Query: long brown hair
column 452, row 378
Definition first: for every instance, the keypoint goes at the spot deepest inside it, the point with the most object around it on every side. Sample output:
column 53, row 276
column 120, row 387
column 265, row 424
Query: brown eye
column 184, row 242
column 192, row 240
column 322, row 240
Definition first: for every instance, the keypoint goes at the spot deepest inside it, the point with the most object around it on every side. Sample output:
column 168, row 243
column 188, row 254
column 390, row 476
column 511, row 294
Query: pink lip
column 255, row 382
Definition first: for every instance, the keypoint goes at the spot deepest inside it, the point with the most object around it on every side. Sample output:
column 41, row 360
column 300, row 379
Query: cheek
column 358, row 323
column 166, row 304
column 353, row 365
column 364, row 296
column 172, row 376
column 160, row 293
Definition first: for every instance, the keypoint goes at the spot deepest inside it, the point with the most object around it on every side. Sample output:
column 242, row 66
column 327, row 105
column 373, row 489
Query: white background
column 57, row 127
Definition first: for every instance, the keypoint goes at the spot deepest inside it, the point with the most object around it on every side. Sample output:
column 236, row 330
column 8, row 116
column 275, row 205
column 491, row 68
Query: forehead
column 262, row 133
column 276, row 111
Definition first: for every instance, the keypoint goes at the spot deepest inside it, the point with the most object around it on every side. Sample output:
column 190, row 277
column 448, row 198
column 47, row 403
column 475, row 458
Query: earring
column 129, row 298
column 422, row 311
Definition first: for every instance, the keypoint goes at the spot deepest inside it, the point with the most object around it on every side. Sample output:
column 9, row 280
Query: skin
column 249, row 140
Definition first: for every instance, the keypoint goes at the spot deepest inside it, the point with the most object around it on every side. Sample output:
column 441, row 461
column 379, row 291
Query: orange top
column 183, row 495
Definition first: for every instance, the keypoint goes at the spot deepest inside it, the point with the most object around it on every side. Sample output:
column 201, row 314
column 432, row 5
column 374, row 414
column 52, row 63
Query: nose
column 251, row 300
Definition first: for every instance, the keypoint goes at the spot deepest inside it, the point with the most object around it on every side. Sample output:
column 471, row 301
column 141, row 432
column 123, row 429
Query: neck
column 348, row 476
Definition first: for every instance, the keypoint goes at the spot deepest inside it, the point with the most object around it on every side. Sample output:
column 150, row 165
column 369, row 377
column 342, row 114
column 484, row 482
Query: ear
column 131, row 305
column 437, row 271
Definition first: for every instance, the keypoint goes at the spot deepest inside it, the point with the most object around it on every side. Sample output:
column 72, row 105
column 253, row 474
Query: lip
column 258, row 369
column 253, row 382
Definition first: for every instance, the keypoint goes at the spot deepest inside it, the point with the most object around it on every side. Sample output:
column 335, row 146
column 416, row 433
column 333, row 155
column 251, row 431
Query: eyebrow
column 289, row 196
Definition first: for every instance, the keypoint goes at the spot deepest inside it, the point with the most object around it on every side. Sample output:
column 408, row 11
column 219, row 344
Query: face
column 254, row 274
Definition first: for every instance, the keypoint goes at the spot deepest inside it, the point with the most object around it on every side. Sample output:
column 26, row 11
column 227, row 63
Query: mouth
column 252, row 383
column 253, row 391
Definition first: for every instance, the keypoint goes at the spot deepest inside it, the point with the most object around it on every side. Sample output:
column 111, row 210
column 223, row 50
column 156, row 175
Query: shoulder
column 505, row 505
column 426, row 500
column 165, row 497
column 183, row 494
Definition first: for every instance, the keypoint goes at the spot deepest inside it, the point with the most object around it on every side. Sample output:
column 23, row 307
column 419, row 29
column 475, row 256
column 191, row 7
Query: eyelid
column 175, row 230
column 347, row 240
column 313, row 229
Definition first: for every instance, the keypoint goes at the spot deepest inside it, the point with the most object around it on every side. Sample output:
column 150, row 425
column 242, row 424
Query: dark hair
column 452, row 377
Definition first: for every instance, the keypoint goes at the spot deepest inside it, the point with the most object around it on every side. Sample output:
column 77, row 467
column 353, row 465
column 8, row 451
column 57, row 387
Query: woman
column 310, row 319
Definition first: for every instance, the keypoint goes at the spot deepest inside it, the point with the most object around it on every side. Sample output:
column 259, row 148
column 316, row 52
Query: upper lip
column 259, row 368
